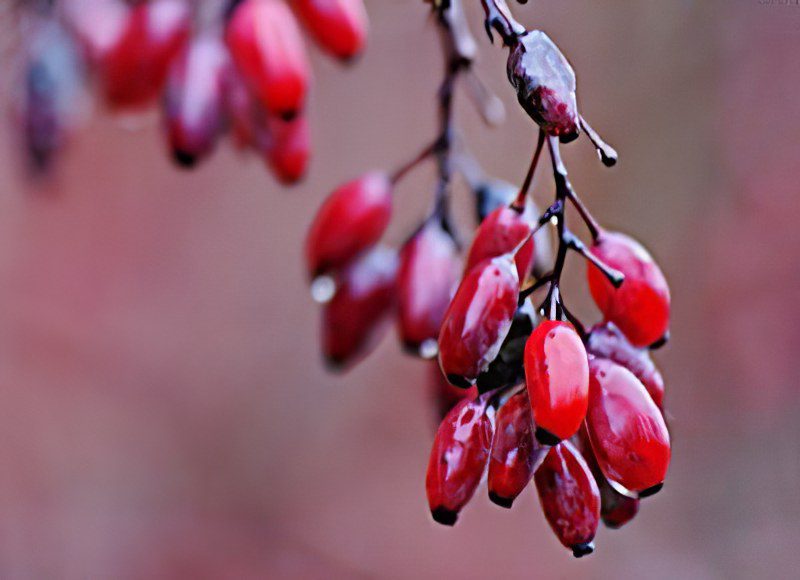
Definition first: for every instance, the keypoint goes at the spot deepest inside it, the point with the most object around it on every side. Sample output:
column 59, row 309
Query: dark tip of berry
column 458, row 381
column 651, row 490
column 581, row 550
column 336, row 364
column 544, row 437
column 660, row 342
column 444, row 516
column 568, row 137
column 503, row 502
column 288, row 115
column 183, row 158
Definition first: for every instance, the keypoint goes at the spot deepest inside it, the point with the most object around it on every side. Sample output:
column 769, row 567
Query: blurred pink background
column 165, row 411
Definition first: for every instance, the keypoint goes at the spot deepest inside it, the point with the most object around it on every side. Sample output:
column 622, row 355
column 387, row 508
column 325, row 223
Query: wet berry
column 557, row 377
column 445, row 396
column 506, row 370
column 364, row 297
column 458, row 459
column 569, row 497
column 478, row 319
column 515, row 453
column 339, row 26
column 640, row 307
column 429, row 269
column 266, row 45
column 352, row 219
column 286, row 146
column 501, row 232
column 627, row 432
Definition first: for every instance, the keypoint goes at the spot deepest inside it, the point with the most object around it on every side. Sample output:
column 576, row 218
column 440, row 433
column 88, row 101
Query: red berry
column 428, row 273
column 640, row 307
column 364, row 297
column 478, row 319
column 339, row 26
column 193, row 100
column 628, row 434
column 286, row 146
column 557, row 376
column 501, row 232
column 351, row 220
column 458, row 459
column 515, row 453
column 606, row 341
column 569, row 497
column 245, row 117
column 446, row 396
column 97, row 24
column 265, row 42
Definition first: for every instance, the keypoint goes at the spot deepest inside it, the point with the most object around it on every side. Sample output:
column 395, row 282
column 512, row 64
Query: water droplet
column 429, row 349
column 322, row 289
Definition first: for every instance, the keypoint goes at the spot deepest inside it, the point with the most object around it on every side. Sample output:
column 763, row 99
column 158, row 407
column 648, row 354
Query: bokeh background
column 165, row 412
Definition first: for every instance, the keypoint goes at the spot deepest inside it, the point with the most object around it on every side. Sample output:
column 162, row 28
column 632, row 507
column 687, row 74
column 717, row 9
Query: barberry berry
column 501, row 232
column 339, row 26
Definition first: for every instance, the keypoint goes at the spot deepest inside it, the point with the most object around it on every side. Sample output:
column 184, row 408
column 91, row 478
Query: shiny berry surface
column 515, row 453
column 351, row 220
column 286, row 146
column 606, row 341
column 265, row 42
column 364, row 298
column 627, row 432
column 339, row 26
column 501, row 232
column 429, row 269
column 478, row 319
column 570, row 498
column 640, row 307
column 557, row 377
column 458, row 459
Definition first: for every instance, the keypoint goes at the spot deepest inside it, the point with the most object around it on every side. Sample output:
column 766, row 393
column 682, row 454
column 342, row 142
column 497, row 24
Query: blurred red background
column 165, row 409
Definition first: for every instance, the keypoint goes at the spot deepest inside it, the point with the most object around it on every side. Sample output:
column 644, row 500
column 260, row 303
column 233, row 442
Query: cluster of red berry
column 532, row 394
column 234, row 64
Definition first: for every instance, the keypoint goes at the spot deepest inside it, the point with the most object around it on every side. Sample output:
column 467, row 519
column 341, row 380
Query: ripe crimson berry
column 627, row 432
column 569, row 497
column 557, row 376
column 606, row 341
column 507, row 370
column 501, row 232
column 193, row 100
column 515, row 453
column 351, row 220
column 478, row 319
column 245, row 117
column 445, row 396
column 364, row 296
column 640, row 307
column 428, row 274
column 458, row 459
column 98, row 25
column 286, row 146
column 266, row 45
column 339, row 26
column 545, row 84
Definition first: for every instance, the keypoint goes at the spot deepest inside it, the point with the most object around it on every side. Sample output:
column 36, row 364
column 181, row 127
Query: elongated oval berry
column 428, row 273
column 339, row 26
column 478, row 320
column 628, row 434
column 245, row 117
column 351, row 220
column 458, row 459
column 640, row 307
column 501, row 232
column 545, row 84
column 569, row 497
column 286, row 146
column 515, row 453
column 364, row 297
column 194, row 99
column 557, row 376
column 98, row 25
column 445, row 396
column 265, row 42
column 606, row 341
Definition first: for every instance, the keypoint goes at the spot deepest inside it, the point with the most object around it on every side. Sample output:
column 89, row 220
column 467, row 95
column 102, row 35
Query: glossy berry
column 352, row 219
column 557, row 376
column 545, row 84
column 606, row 341
column 627, row 432
column 570, row 498
column 445, row 396
column 458, row 459
column 339, row 26
column 194, row 100
column 501, row 232
column 286, row 146
column 246, row 119
column 478, row 319
column 266, row 45
column 640, row 307
column 506, row 370
column 429, row 269
column 515, row 453
column 364, row 297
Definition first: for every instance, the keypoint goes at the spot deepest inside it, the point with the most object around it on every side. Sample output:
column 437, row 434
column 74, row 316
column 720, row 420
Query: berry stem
column 519, row 203
column 608, row 155
column 614, row 276
column 498, row 16
column 404, row 169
